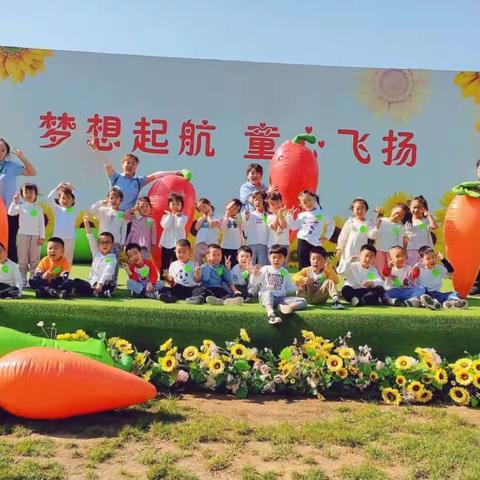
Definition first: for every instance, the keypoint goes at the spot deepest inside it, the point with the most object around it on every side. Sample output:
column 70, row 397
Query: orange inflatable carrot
column 462, row 236
column 3, row 224
column 46, row 383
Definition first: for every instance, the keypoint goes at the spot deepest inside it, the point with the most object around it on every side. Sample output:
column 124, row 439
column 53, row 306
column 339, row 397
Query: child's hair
column 66, row 190
column 246, row 249
column 107, row 234
column 319, row 250
column 274, row 196
column 183, row 242
column 176, row 197
column 29, row 186
column 279, row 249
column 132, row 246
column 7, row 146
column 117, row 191
column 1, row 244
column 359, row 200
column 406, row 210
column 397, row 247
column 236, row 202
column 57, row 240
column 422, row 251
column 130, row 155
column 255, row 166
column 205, row 201
column 369, row 248
column 144, row 199
column 214, row 246
column 420, row 199
column 312, row 194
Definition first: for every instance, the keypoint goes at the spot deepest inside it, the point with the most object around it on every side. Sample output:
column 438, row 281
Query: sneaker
column 107, row 294
column 64, row 294
column 285, row 308
column 355, row 302
column 390, row 301
column 460, row 303
column 274, row 320
column 233, row 301
column 211, row 300
column 448, row 304
column 428, row 302
column 337, row 306
column 438, row 305
column 52, row 293
column 195, row 300
column 413, row 302
column 166, row 298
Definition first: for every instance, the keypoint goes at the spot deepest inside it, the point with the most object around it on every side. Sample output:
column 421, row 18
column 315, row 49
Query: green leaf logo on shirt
column 107, row 260
column 436, row 272
column 363, row 229
column 188, row 268
column 121, row 215
column 396, row 230
column 5, row 269
column 319, row 216
column 321, row 280
column 69, row 210
column 283, row 272
column 396, row 282
column 34, row 212
column 219, row 270
column 422, row 226
column 149, row 222
column 371, row 276
column 144, row 271
column 265, row 219
column 245, row 275
column 57, row 270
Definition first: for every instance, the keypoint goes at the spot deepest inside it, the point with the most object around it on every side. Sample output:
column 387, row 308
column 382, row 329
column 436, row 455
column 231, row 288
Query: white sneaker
column 211, row 300
column 285, row 308
column 413, row 302
column 274, row 320
column 448, row 304
column 355, row 302
column 460, row 303
column 233, row 301
column 428, row 301
column 337, row 306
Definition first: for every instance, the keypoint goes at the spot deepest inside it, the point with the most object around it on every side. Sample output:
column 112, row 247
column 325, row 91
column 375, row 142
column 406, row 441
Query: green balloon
column 363, row 229
column 5, row 268
column 188, row 268
column 219, row 270
column 34, row 212
column 319, row 216
column 436, row 271
column 187, row 174
column 371, row 276
column 144, row 271
column 69, row 210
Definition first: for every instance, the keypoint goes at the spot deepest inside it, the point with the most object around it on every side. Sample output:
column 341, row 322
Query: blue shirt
column 9, row 171
column 215, row 276
column 130, row 187
column 246, row 190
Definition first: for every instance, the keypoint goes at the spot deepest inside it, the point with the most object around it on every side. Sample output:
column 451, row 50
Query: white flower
column 269, row 387
column 257, row 365
column 264, row 369
column 54, row 324
column 210, row 383
column 277, row 379
column 182, row 376
column 40, row 324
column 379, row 365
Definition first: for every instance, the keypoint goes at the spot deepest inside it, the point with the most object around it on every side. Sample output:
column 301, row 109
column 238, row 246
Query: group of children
column 238, row 257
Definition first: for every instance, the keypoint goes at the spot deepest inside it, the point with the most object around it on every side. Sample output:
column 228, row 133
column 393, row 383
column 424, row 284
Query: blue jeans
column 443, row 296
column 404, row 293
column 259, row 254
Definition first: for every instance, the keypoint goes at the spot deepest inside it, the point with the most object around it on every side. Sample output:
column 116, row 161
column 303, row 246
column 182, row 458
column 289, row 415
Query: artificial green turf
column 147, row 323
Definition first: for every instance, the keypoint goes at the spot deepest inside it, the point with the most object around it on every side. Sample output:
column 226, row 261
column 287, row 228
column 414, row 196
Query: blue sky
column 439, row 34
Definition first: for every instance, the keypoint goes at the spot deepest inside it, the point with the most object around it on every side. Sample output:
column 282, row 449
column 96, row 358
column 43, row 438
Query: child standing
column 428, row 273
column 419, row 229
column 205, row 228
column 318, row 282
column 278, row 222
column 310, row 223
column 142, row 227
column 11, row 283
column 274, row 283
column 256, row 229
column 173, row 224
column 231, row 226
column 354, row 233
column 63, row 200
column 31, row 232
column 363, row 284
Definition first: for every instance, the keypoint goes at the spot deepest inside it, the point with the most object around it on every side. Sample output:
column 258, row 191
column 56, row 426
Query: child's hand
column 323, row 239
column 354, row 258
column 40, row 241
column 272, row 188
column 378, row 222
column 309, row 281
column 368, row 284
column 378, row 212
column 46, row 275
column 247, row 215
column 149, row 287
column 198, row 271
column 17, row 197
column 125, row 266
column 98, row 288
column 228, row 262
column 166, row 275
column 19, row 154
column 91, row 143
column 439, row 256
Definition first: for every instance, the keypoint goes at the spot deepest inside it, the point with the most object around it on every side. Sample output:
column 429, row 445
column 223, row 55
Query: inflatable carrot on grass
column 45, row 383
column 462, row 236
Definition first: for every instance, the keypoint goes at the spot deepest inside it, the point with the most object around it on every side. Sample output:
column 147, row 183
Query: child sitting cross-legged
column 399, row 288
column 428, row 273
column 143, row 279
column 363, row 284
column 318, row 282
column 217, row 287
column 274, row 283
column 11, row 283
column 241, row 273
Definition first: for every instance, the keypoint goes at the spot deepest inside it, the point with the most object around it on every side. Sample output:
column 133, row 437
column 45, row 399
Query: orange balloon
column 47, row 383
column 3, row 224
column 462, row 241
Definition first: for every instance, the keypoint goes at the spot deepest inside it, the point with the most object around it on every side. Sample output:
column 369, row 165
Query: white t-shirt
column 207, row 234
column 240, row 277
column 276, row 280
column 310, row 226
column 353, row 236
column 431, row 279
column 279, row 236
column 31, row 221
column 173, row 229
column 399, row 278
column 388, row 235
column 10, row 274
column 418, row 234
column 232, row 232
column 65, row 217
column 110, row 220
column 103, row 266
column 356, row 275
column 183, row 273
column 256, row 228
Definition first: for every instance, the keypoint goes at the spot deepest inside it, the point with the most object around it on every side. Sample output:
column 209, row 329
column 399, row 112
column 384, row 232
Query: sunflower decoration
column 396, row 93
column 79, row 220
column 16, row 62
column 445, row 201
column 392, row 200
column 469, row 83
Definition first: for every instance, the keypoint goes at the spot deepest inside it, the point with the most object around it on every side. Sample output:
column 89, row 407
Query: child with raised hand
column 256, row 229
column 241, row 273
column 278, row 221
column 354, row 233
column 143, row 279
column 399, row 287
column 206, row 229
column 311, row 224
column 142, row 227
column 363, row 283
column 275, row 284
column 419, row 229
column 182, row 276
column 389, row 232
column 51, row 275
column 231, row 227
column 31, row 231
column 63, row 199
column 11, row 283
column 318, row 282
column 101, row 279
column 173, row 224
column 217, row 287
column 429, row 273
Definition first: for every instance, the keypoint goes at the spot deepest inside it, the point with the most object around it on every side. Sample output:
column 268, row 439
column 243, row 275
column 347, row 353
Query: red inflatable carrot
column 462, row 236
column 3, row 224
column 46, row 383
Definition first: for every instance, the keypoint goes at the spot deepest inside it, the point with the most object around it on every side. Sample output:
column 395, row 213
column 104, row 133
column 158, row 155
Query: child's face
column 254, row 176
column 275, row 205
column 29, row 195
column 232, row 209
column 3, row 252
column 175, row 206
column 183, row 253
column 214, row 256
column 417, row 209
column 429, row 260
column 366, row 258
column 397, row 257
column 317, row 262
column 144, row 208
column 258, row 203
column 277, row 259
column 3, row 151
column 135, row 256
column 204, row 208
column 114, row 200
column 397, row 215
column 244, row 258
column 65, row 200
column 54, row 250
column 307, row 202
column 359, row 210
column 105, row 244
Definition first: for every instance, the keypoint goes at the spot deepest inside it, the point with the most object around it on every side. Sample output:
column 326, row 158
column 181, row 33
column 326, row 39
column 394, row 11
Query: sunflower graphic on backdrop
column 396, row 93
column 469, row 83
column 16, row 62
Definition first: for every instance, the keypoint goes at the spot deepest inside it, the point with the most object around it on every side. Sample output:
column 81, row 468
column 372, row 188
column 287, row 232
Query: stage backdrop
column 379, row 131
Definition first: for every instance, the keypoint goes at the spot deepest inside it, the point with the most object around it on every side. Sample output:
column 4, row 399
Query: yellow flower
column 391, row 396
column 124, row 347
column 416, row 388
column 112, row 341
column 168, row 363
column 308, row 335
column 16, row 62
column 147, row 375
column 373, row 376
column 463, row 377
column 286, row 368
column 327, row 346
column 441, row 376
column 334, row 362
column 238, row 350
column 342, row 373
column 172, row 351
column 400, row 380
column 216, row 366
column 354, row 370
column 469, row 83
column 476, row 366
column 459, row 395
column 166, row 345
column 190, row 353
column 64, row 336
column 226, row 358
column 424, row 397
column 346, row 352
column 476, row 380
column 462, row 364
column 404, row 363
column 244, row 335
column 139, row 359
column 206, row 345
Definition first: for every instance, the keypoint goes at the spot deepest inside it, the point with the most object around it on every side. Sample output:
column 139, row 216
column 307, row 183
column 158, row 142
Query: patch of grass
column 312, row 474
column 34, row 447
column 103, row 451
column 129, row 432
column 280, row 451
column 169, row 472
column 31, row 470
column 219, row 462
column 362, row 472
column 377, row 454
column 21, row 431
column 251, row 473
